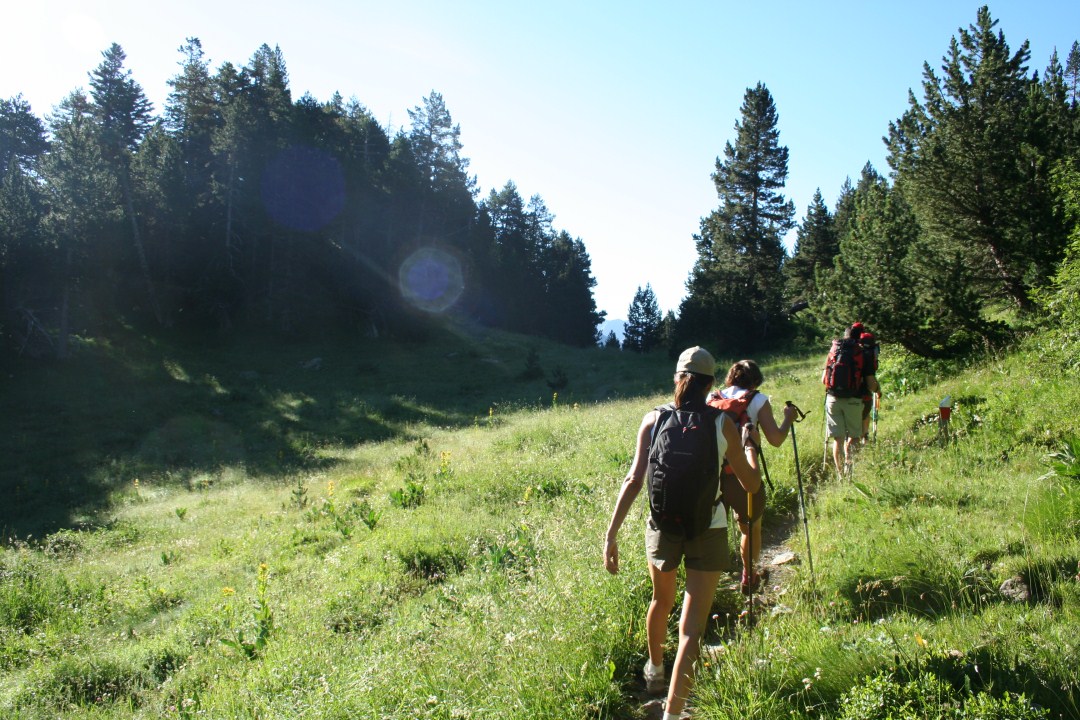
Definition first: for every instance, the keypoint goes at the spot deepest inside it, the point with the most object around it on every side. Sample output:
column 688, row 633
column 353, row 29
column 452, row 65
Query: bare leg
column 663, row 600
column 837, row 454
column 744, row 551
column 849, row 455
column 700, row 588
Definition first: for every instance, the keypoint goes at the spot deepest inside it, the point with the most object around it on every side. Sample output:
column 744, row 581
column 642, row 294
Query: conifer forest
column 240, row 208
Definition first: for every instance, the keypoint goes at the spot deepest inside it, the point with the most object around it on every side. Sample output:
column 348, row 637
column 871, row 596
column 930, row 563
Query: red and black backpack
column 844, row 370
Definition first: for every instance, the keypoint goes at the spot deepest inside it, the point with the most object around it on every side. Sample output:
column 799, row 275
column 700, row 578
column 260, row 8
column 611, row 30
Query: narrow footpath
column 779, row 562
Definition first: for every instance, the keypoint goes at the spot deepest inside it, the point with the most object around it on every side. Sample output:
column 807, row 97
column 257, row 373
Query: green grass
column 414, row 531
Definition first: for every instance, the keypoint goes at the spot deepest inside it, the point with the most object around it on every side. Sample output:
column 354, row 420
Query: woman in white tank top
column 743, row 379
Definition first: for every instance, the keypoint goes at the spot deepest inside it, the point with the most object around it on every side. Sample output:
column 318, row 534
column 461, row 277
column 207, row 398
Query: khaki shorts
column 706, row 552
column 844, row 416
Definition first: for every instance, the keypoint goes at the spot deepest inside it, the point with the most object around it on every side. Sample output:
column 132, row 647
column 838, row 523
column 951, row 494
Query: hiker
column 741, row 400
column 870, row 365
column 843, row 378
column 703, row 551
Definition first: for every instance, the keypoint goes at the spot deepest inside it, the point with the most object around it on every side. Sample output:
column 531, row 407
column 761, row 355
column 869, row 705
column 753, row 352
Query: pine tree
column 510, row 277
column 22, row 145
column 192, row 115
column 1061, row 299
column 871, row 281
column 569, row 310
column 815, row 248
column 644, row 323
column 845, row 205
column 1072, row 74
column 668, row 331
column 123, row 114
column 974, row 165
column 84, row 211
column 736, row 289
column 909, row 288
column 448, row 188
column 22, row 135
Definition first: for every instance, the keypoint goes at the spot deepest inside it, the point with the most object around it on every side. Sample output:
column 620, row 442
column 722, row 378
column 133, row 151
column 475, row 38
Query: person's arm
column 631, row 486
column 767, row 423
column 872, row 385
column 742, row 457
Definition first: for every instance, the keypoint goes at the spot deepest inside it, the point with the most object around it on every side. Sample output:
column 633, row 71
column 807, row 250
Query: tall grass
column 363, row 541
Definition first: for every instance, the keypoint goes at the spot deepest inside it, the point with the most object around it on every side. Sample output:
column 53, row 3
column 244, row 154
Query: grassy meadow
column 414, row 530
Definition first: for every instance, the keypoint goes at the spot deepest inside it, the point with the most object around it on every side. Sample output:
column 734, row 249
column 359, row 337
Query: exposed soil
column 777, row 563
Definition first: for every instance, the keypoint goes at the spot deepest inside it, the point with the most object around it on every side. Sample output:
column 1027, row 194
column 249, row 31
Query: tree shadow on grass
column 187, row 414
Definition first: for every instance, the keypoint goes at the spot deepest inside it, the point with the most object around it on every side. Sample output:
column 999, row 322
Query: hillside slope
column 416, row 532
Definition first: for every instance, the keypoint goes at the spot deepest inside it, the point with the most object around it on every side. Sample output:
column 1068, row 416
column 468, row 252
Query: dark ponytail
column 690, row 388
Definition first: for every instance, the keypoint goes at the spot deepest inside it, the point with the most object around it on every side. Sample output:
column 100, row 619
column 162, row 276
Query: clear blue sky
column 613, row 112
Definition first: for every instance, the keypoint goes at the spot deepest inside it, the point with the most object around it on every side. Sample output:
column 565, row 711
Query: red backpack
column 844, row 369
column 738, row 409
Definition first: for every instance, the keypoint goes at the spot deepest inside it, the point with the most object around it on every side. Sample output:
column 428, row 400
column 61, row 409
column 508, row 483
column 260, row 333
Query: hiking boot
column 750, row 584
column 655, row 681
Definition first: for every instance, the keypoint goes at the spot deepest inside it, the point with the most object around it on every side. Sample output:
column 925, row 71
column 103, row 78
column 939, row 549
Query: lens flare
column 431, row 279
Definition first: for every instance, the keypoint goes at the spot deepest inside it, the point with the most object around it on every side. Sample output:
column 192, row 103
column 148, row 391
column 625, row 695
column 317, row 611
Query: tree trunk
column 1014, row 286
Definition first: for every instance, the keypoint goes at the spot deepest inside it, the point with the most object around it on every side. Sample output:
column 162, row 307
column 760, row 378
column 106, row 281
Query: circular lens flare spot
column 431, row 279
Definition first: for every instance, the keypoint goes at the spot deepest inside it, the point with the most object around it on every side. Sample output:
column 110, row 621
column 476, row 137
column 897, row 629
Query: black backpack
column 684, row 470
column 844, row 369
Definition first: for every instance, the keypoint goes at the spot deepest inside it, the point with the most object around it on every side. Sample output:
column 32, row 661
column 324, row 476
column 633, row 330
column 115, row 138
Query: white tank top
column 734, row 391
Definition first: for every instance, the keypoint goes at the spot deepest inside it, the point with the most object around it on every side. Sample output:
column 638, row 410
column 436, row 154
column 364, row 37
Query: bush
column 927, row 696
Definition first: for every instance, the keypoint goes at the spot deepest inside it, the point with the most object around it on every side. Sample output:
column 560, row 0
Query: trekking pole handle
column 747, row 436
column 800, row 414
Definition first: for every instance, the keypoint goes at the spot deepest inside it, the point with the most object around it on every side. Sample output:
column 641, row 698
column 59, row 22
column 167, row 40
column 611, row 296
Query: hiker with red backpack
column 844, row 376
column 742, row 402
column 677, row 459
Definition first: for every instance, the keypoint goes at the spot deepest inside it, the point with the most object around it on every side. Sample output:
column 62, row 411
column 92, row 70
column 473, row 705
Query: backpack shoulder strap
column 662, row 409
column 718, row 417
column 721, row 461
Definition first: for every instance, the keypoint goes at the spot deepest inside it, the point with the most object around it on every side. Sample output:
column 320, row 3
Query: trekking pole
column 750, row 554
column 750, row 526
column 802, row 501
column 825, row 423
column 873, row 415
column 764, row 467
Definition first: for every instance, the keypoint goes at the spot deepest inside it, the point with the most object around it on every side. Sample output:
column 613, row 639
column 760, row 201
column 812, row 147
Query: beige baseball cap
column 697, row 360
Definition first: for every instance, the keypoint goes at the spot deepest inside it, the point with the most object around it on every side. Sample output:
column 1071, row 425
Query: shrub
column 928, row 696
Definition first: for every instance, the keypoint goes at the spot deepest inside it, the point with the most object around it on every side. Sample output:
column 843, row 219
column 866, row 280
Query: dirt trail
column 779, row 561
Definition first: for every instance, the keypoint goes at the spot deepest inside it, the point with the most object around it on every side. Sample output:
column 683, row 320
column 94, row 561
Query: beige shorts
column 706, row 552
column 844, row 416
